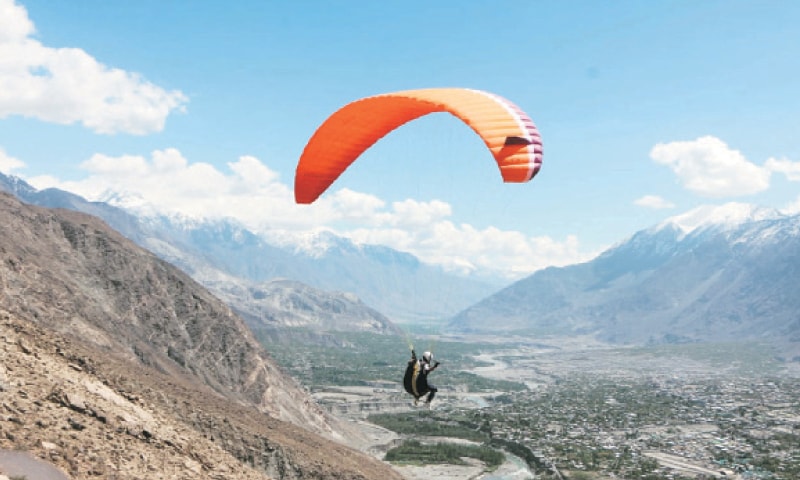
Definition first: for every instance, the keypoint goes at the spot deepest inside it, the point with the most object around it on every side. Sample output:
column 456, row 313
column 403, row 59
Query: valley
column 574, row 408
column 229, row 229
column 553, row 384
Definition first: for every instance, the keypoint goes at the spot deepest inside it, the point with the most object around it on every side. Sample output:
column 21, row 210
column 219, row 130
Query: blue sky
column 646, row 110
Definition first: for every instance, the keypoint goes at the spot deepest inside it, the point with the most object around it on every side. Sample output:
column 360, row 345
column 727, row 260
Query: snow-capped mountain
column 721, row 273
column 716, row 272
column 216, row 252
column 727, row 216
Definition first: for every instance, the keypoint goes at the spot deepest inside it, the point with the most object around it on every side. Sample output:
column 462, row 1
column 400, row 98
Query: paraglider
column 507, row 131
column 415, row 380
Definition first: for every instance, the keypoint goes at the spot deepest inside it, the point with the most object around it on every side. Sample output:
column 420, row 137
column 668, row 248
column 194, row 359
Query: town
column 587, row 411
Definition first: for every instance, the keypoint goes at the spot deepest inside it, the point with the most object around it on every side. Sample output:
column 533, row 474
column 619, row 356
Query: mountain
column 392, row 282
column 216, row 252
column 117, row 364
column 724, row 273
column 209, row 251
column 285, row 303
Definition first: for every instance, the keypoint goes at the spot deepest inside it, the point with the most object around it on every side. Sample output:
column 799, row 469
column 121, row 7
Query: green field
column 353, row 359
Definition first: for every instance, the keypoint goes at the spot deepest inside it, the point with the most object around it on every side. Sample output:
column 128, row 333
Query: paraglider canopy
column 507, row 131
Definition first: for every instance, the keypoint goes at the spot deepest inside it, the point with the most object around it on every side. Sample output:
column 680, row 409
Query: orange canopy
column 507, row 131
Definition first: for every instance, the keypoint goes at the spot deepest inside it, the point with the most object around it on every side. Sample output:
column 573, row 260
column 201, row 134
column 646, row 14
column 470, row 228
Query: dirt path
column 680, row 464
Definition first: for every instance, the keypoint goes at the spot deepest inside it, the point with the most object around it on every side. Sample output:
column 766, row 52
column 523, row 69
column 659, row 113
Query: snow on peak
column 138, row 205
column 727, row 216
column 126, row 200
column 314, row 243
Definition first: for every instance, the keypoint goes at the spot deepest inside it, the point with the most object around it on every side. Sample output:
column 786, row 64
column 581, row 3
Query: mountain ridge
column 394, row 283
column 718, row 281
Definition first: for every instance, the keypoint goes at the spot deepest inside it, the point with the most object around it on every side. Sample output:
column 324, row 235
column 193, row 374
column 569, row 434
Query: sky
column 202, row 108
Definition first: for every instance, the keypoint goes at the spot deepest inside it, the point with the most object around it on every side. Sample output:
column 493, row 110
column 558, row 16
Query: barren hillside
column 116, row 362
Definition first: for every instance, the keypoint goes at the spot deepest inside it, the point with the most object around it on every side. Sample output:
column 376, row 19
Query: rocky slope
column 224, row 258
column 286, row 303
column 70, row 272
column 116, row 362
column 96, row 415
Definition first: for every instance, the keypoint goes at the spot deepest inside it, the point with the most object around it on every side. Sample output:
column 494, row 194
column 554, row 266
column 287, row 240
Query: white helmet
column 427, row 356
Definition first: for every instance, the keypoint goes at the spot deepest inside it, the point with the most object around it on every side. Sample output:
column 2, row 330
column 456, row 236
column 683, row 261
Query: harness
column 412, row 381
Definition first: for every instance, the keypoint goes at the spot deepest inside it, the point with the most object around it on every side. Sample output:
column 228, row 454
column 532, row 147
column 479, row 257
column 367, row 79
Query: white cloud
column 349, row 206
column 250, row 192
column 67, row 85
column 784, row 166
column 14, row 22
column 465, row 248
column 708, row 167
column 253, row 194
column 413, row 213
column 653, row 201
column 425, row 230
column 7, row 162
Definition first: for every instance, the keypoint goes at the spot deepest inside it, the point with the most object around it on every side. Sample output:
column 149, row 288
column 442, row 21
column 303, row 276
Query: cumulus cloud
column 7, row 162
column 784, row 166
column 14, row 21
column 249, row 191
column 653, row 201
column 708, row 167
column 253, row 194
column 67, row 85
column 466, row 249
